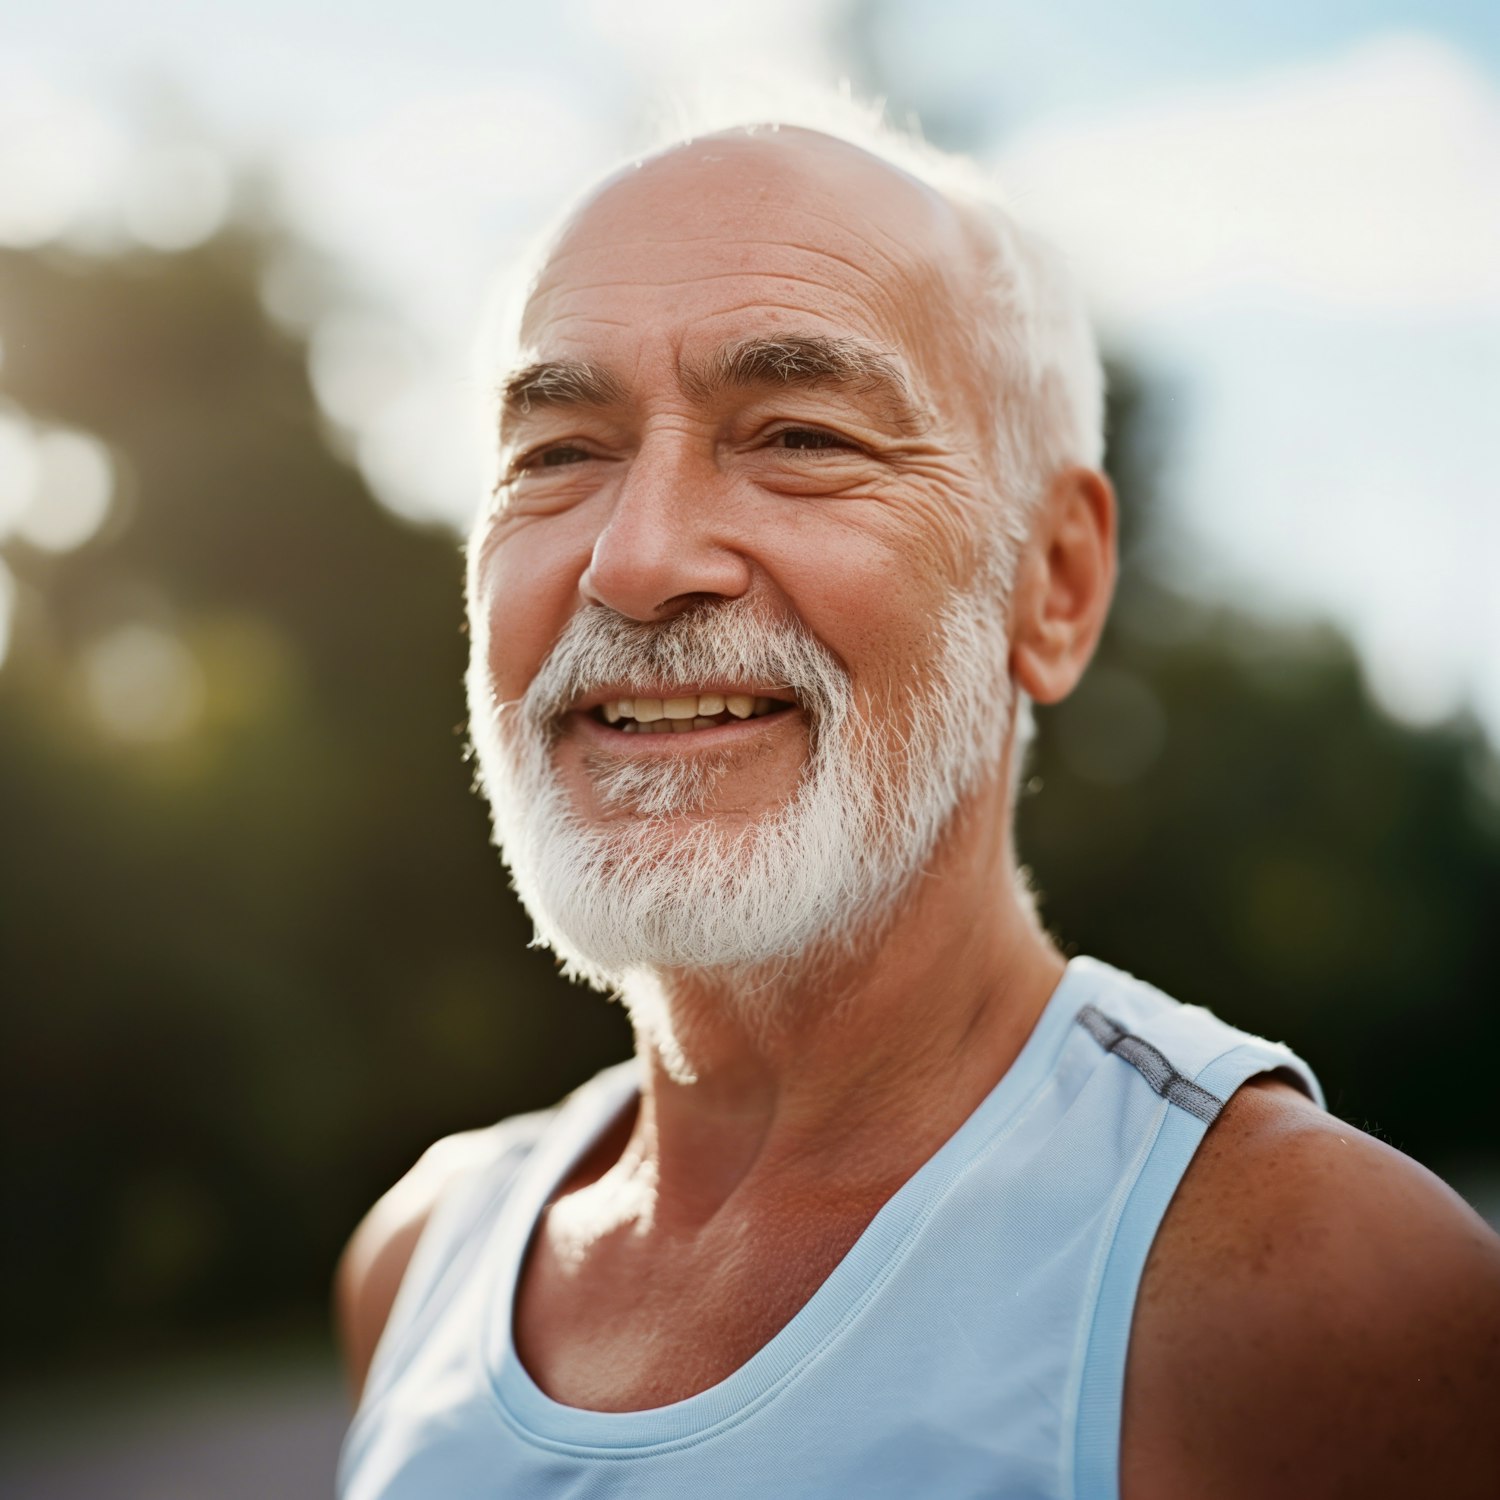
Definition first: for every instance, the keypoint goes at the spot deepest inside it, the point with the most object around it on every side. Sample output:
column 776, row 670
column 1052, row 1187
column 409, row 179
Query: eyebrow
column 558, row 383
column 810, row 360
column 792, row 360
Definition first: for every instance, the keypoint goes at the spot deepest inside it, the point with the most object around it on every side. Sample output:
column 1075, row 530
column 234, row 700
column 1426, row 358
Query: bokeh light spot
column 19, row 469
column 176, row 197
column 57, row 159
column 7, row 609
column 143, row 684
column 72, row 490
column 358, row 365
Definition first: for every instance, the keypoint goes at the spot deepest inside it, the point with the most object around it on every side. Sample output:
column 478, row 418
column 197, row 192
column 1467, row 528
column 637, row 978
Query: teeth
column 679, row 715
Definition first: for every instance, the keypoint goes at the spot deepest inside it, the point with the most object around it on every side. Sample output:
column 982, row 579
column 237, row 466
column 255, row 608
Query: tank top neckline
column 854, row 1282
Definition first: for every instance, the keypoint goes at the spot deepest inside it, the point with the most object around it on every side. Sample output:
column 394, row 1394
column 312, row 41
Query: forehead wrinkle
column 890, row 283
column 807, row 230
column 695, row 277
column 556, row 306
column 901, row 258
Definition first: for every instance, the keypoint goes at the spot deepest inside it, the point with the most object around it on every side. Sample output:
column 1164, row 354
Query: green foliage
column 253, row 966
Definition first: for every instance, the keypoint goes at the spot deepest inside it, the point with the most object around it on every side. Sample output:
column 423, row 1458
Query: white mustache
column 725, row 642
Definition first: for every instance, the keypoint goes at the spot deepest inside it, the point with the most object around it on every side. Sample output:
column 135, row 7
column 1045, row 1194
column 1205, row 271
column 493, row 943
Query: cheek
column 523, row 588
column 869, row 590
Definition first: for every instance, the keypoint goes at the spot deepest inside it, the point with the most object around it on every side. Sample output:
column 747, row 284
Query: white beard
column 815, row 876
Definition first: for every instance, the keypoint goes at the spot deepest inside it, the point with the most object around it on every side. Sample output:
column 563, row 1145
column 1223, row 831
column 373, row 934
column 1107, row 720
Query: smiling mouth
column 685, row 714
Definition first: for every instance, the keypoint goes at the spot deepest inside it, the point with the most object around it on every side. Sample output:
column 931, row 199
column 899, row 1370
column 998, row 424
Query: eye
column 560, row 455
column 812, row 439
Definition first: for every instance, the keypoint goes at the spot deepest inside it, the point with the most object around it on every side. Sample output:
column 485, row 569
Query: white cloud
column 1351, row 466
column 1365, row 182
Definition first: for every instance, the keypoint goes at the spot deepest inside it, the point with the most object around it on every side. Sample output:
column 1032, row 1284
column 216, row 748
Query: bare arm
column 1319, row 1316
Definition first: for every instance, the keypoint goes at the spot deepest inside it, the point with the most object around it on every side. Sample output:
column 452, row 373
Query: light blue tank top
column 971, row 1343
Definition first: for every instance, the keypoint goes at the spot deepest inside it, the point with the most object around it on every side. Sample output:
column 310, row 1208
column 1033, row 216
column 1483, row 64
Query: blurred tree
column 256, row 952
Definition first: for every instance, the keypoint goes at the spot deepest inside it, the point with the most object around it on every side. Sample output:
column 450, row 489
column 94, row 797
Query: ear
column 1064, row 582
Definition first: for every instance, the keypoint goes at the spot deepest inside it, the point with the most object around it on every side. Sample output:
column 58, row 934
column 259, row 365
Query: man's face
column 745, row 487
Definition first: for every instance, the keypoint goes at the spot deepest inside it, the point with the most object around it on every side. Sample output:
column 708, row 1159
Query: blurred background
column 255, row 952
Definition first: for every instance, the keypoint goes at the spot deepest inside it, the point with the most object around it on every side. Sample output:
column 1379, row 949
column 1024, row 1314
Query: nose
column 664, row 547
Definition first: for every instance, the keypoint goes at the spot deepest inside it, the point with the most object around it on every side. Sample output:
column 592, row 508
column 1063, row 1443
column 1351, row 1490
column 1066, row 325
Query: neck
column 852, row 1071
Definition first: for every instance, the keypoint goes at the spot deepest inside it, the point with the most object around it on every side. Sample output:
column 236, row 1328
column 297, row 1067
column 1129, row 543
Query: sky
column 1286, row 215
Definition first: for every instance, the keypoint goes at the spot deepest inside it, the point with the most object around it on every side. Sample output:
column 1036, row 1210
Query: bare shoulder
column 1319, row 1315
column 371, row 1269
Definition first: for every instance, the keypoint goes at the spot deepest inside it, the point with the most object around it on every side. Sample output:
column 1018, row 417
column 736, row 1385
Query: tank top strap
column 1152, row 1032
column 1193, row 1062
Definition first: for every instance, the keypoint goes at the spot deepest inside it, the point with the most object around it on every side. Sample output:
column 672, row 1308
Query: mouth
column 684, row 713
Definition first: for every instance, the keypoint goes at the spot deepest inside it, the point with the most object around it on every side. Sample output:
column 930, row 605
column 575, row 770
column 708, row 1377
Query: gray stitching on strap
column 1151, row 1065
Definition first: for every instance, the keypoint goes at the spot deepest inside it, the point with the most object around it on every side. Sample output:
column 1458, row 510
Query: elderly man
column 800, row 506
